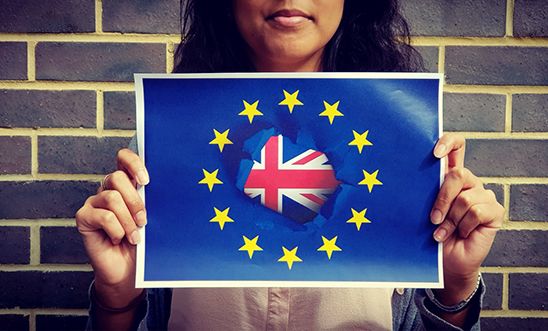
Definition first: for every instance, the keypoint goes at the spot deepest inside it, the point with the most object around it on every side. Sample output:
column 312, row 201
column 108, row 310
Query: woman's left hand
column 469, row 217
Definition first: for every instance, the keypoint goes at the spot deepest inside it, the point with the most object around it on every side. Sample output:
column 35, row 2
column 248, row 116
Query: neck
column 309, row 64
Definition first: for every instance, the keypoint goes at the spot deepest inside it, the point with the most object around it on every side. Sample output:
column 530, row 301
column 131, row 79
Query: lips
column 289, row 18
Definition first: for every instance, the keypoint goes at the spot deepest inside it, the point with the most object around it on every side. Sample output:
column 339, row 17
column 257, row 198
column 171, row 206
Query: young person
column 290, row 36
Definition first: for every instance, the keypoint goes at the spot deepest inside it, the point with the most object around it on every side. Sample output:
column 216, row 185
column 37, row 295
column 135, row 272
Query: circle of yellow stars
column 251, row 110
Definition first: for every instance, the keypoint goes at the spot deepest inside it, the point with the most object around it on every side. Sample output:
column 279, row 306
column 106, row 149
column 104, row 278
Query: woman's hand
column 108, row 223
column 469, row 217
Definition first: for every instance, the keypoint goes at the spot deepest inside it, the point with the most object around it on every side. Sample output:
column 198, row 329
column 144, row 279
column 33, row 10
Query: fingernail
column 435, row 216
column 135, row 238
column 141, row 218
column 440, row 234
column 142, row 177
column 440, row 149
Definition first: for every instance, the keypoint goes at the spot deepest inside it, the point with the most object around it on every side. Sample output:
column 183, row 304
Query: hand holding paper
column 469, row 217
column 115, row 213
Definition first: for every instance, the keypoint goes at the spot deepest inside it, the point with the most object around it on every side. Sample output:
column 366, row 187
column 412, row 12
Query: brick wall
column 66, row 106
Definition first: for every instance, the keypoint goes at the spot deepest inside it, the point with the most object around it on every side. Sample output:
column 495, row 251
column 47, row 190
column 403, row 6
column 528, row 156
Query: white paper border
column 140, row 261
column 140, row 122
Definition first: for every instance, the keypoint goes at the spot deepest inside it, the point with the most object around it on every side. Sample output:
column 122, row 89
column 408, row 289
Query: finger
column 488, row 214
column 466, row 199
column 446, row 229
column 119, row 181
column 132, row 164
column 456, row 180
column 90, row 219
column 112, row 200
column 453, row 146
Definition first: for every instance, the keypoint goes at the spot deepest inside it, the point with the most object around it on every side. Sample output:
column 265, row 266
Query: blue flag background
column 401, row 113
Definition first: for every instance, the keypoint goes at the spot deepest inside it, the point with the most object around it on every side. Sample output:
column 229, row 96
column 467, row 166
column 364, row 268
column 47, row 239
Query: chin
column 290, row 49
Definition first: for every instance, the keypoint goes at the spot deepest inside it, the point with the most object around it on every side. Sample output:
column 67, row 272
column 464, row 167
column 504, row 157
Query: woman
column 291, row 36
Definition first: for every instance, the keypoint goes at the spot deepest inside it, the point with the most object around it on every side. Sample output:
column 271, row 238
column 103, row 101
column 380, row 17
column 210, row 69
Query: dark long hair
column 372, row 36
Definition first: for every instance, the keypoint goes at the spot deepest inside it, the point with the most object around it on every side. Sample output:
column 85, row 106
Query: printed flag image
column 294, row 180
column 305, row 178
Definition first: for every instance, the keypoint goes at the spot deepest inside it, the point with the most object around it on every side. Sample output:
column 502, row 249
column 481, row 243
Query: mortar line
column 62, row 311
column 175, row 38
column 34, row 244
column 98, row 16
column 441, row 59
column 170, row 57
column 506, row 203
column 505, row 290
column 515, row 313
column 52, row 85
column 510, row 18
column 495, row 89
column 100, row 112
column 34, row 155
column 514, row 180
column 46, row 267
column 509, row 270
column 508, row 113
column 106, row 37
column 526, row 225
column 52, row 177
column 44, row 311
column 31, row 60
column 32, row 320
column 40, row 222
column 504, row 135
column 74, row 132
column 478, row 41
column 129, row 86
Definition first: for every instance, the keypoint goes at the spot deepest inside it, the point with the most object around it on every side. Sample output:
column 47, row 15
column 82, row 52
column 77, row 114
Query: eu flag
column 289, row 179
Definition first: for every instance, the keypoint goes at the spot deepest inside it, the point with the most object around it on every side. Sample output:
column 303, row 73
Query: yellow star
column 360, row 140
column 370, row 180
column 210, row 178
column 221, row 217
column 290, row 100
column 329, row 246
column 358, row 218
column 221, row 139
column 331, row 111
column 250, row 246
column 250, row 110
column 290, row 256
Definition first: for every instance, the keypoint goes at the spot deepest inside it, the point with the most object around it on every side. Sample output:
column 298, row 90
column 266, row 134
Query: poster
column 289, row 180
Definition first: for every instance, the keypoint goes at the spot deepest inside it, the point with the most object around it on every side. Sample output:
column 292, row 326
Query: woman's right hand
column 108, row 223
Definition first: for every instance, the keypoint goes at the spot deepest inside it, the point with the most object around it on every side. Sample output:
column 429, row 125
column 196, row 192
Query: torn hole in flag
column 290, row 179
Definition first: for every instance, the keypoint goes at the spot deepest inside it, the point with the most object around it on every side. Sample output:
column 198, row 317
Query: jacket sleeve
column 411, row 312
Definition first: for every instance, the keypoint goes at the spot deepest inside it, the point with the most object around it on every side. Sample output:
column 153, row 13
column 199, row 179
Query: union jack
column 305, row 180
